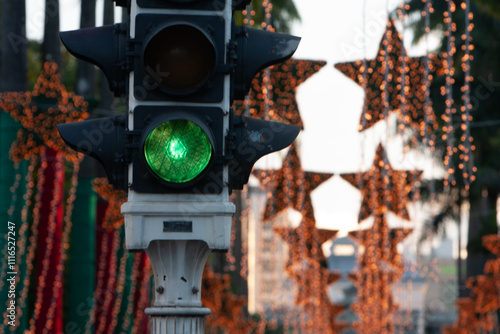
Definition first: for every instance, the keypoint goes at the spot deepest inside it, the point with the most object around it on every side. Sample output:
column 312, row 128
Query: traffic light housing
column 182, row 65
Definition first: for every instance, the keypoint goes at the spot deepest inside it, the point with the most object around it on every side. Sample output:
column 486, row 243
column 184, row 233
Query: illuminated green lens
column 178, row 151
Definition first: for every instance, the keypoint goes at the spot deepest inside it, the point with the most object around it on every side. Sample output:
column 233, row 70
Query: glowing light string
column 98, row 291
column 21, row 233
column 10, row 212
column 127, row 319
column 120, row 286
column 111, row 283
column 144, row 293
column 33, row 238
column 467, row 164
column 448, row 91
column 65, row 239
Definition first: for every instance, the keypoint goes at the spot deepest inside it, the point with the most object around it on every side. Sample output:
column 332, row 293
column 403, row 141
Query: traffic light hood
column 104, row 47
column 256, row 50
column 250, row 139
column 104, row 140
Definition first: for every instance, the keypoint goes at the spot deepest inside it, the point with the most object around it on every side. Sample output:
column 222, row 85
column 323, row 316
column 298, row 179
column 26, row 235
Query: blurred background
column 380, row 218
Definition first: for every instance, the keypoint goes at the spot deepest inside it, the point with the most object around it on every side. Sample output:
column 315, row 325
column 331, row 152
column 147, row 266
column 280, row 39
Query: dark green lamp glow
column 178, row 151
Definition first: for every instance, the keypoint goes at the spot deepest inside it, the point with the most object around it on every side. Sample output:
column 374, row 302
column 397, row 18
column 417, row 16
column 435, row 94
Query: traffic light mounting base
column 178, row 270
column 209, row 222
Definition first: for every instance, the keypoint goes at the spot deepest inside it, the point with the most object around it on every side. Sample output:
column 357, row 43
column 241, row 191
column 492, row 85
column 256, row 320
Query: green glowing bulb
column 178, row 151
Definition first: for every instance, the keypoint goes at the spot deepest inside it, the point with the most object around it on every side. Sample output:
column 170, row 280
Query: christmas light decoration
column 383, row 188
column 65, row 240
column 276, row 99
column 312, row 278
column 306, row 266
column 383, row 91
column 450, row 111
column 227, row 308
column 115, row 198
column 380, row 244
column 466, row 147
column 479, row 312
column 304, row 242
column 290, row 186
column 40, row 111
column 380, row 266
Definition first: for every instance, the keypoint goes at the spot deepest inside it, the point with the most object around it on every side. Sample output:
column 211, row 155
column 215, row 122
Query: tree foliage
column 283, row 15
column 490, row 6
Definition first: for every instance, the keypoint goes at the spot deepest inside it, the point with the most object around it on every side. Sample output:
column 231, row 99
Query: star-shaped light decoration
column 115, row 198
column 304, row 242
column 312, row 279
column 40, row 111
column 280, row 103
column 380, row 243
column 290, row 186
column 383, row 188
column 385, row 74
column 324, row 322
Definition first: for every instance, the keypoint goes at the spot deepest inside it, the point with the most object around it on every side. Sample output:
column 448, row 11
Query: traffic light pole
column 179, row 231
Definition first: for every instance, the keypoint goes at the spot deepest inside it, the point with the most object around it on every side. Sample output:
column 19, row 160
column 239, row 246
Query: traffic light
column 182, row 64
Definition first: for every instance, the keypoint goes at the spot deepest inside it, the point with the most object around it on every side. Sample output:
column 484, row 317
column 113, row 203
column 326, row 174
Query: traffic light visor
column 178, row 151
column 180, row 58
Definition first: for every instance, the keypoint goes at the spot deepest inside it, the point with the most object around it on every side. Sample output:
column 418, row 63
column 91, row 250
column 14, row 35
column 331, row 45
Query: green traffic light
column 178, row 151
